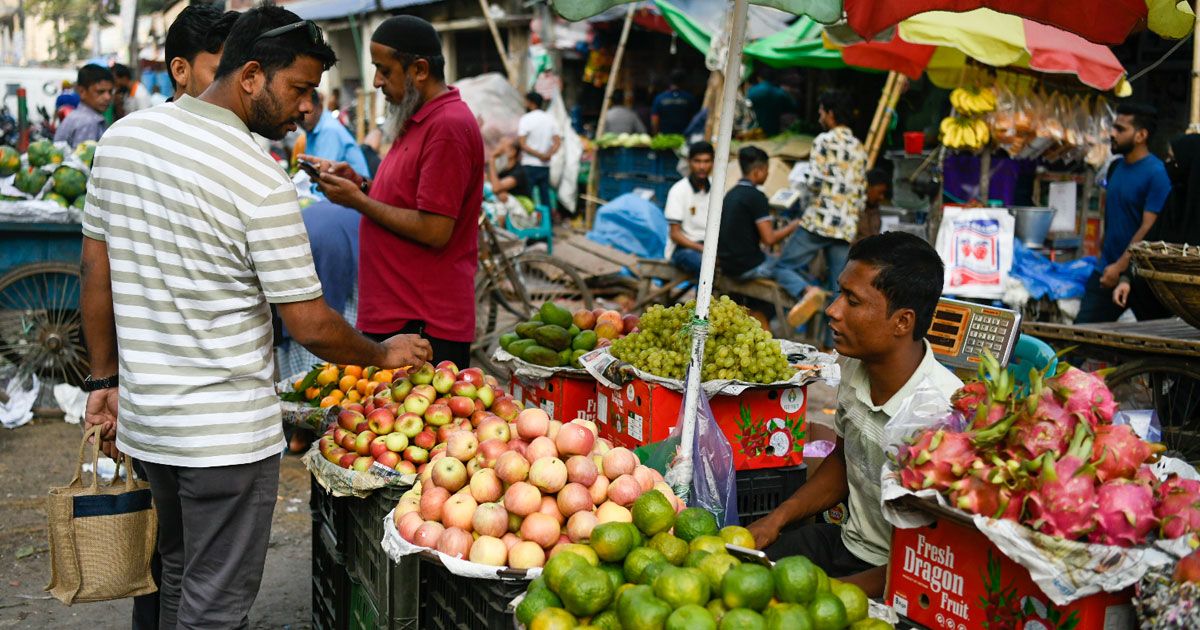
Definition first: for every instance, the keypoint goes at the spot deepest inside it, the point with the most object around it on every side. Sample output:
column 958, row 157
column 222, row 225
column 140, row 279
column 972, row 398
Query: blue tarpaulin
column 1043, row 277
column 631, row 224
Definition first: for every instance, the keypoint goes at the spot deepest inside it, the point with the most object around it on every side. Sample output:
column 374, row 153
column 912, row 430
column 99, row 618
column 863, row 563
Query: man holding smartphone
column 418, row 248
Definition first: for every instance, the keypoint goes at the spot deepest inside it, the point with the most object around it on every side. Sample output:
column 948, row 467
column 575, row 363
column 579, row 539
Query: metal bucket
column 1033, row 224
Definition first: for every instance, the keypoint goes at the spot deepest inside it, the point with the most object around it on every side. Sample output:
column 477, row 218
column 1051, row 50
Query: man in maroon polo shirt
column 418, row 248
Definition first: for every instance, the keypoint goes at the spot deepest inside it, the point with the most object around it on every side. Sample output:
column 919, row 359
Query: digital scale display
column 961, row 331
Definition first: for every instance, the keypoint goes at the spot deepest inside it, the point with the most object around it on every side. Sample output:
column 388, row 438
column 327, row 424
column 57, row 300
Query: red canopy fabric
column 1101, row 21
column 896, row 55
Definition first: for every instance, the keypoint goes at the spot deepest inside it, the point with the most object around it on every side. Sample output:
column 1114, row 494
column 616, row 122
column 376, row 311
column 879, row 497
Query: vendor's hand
column 1121, row 294
column 1112, row 273
column 340, row 190
column 765, row 531
column 410, row 350
column 341, row 169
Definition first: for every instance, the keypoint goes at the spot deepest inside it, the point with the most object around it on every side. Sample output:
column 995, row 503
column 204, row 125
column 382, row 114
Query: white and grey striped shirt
column 203, row 230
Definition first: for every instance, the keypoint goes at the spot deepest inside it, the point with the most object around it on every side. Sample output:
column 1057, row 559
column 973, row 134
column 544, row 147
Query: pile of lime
column 672, row 572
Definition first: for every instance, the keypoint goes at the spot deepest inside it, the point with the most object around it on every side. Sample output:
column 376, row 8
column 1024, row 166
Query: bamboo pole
column 879, row 109
column 613, row 75
column 889, row 104
column 500, row 47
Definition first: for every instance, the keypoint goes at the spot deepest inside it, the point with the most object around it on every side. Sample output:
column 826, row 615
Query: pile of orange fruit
column 327, row 384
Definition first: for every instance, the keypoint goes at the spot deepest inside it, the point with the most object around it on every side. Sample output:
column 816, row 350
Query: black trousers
column 443, row 350
column 145, row 607
column 821, row 543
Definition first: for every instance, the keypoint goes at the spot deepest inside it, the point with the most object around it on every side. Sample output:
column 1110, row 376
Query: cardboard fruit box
column 949, row 575
column 766, row 426
column 563, row 397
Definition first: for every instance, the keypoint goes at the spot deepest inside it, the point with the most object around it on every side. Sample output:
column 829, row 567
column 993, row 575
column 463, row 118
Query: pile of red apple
column 506, row 495
column 402, row 424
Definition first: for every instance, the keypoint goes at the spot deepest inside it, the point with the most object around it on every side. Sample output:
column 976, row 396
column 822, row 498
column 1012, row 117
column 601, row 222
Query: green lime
column 637, row 561
column 675, row 549
column 653, row 513
column 742, row 619
column 714, row 568
column 827, row 612
column 679, row 587
column 709, row 543
column 553, row 619
column 586, row 552
column 653, row 571
column 558, row 567
column 693, row 522
column 717, row 608
column 630, row 596
column 693, row 558
column 691, row 617
column 824, row 585
column 615, row 575
column 586, row 591
column 795, row 579
column 788, row 617
column 612, row 541
column 646, row 613
column 535, row 601
column 871, row 624
column 736, row 535
column 747, row 586
column 607, row 620
column 853, row 599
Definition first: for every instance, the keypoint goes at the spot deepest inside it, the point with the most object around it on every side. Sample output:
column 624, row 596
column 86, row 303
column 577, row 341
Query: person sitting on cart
column 94, row 85
column 889, row 290
column 687, row 210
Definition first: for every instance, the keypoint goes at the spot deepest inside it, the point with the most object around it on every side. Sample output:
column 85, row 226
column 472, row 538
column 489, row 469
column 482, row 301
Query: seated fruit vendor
column 889, row 290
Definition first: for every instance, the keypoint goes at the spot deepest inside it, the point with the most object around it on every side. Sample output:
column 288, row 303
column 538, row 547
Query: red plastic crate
column 949, row 575
column 766, row 426
column 564, row 398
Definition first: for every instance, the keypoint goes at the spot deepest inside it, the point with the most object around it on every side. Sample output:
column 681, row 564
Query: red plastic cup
column 914, row 142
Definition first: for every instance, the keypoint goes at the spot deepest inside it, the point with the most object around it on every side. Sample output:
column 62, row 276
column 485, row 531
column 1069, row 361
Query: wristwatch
column 94, row 384
column 364, row 186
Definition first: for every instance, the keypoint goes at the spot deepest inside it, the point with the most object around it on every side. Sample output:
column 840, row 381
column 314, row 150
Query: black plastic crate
column 389, row 586
column 760, row 491
column 331, row 512
column 452, row 602
column 330, row 583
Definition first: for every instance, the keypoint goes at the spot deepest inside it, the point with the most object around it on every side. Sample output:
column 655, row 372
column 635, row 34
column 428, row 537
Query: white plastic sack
column 396, row 548
column 976, row 245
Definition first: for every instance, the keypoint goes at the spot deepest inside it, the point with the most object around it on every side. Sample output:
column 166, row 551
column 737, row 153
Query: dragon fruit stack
column 1052, row 460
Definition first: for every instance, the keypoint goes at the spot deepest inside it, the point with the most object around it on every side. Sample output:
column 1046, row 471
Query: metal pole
column 594, row 172
column 681, row 479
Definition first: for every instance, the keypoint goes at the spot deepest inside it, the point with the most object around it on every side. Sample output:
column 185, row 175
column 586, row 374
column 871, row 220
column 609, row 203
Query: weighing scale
column 961, row 331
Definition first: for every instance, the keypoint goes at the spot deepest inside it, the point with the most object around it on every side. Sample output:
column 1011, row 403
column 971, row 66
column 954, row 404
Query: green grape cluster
column 737, row 348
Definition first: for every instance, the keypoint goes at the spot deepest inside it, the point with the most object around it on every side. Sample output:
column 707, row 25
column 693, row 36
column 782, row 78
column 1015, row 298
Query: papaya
column 552, row 313
column 507, row 338
column 585, row 341
column 517, row 348
column 541, row 355
column 553, row 337
column 525, row 329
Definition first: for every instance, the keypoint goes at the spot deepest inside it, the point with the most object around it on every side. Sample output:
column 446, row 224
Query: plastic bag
column 926, row 408
column 714, row 484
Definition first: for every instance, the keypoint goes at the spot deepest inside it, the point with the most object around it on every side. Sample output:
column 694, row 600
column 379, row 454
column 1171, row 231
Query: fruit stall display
column 674, row 571
column 41, row 173
column 556, row 337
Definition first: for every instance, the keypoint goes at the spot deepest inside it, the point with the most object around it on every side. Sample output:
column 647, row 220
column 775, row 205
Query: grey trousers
column 214, row 526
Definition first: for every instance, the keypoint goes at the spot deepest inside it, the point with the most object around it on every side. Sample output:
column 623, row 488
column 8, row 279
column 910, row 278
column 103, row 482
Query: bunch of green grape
column 737, row 349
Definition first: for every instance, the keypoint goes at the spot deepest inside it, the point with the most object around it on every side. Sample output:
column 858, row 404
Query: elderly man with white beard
column 418, row 247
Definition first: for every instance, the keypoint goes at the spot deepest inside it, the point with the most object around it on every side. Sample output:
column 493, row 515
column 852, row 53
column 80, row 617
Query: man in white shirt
column 687, row 210
column 540, row 140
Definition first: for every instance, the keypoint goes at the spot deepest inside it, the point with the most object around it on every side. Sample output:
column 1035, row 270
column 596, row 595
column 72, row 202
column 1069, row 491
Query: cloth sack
column 101, row 536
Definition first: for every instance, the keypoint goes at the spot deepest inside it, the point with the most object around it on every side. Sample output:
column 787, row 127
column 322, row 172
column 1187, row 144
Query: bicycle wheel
column 1172, row 389
column 505, row 300
column 40, row 325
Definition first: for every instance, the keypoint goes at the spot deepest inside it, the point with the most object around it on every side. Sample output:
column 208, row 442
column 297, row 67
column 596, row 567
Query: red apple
column 425, row 439
column 410, row 424
column 584, row 319
column 466, row 389
column 416, row 455
column 462, row 445
column 354, row 407
column 406, row 467
column 511, row 467
column 506, row 408
column 348, row 419
column 362, row 444
column 401, row 388
column 447, row 365
column 432, row 500
column 472, row 375
column 629, row 322
column 348, row 459
column 450, row 473
column 444, row 432
column 428, row 534
column 425, row 390
column 378, row 446
column 443, row 380
column 335, row 455
column 381, row 421
column 489, row 451
column 522, row 499
column 493, row 429
column 455, row 542
column 462, row 407
column 396, row 442
column 438, row 415
column 478, row 417
column 389, row 458
column 416, row 403
column 458, row 511
column 422, row 375
column 549, row 474
column 485, row 486
column 362, row 464
column 490, row 551
column 485, row 396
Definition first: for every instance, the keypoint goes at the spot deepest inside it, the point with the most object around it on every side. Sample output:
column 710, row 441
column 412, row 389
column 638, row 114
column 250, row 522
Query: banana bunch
column 964, row 134
column 973, row 102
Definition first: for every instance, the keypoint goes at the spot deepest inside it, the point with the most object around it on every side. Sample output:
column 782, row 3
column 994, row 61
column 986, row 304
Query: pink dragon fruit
column 986, row 401
column 1084, row 393
column 1124, row 513
column 936, row 459
column 990, row 490
column 1118, row 452
column 1064, row 503
column 1178, row 507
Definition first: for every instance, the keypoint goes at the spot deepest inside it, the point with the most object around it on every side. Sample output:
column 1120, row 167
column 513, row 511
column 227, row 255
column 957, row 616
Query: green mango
column 585, row 341
column 564, row 357
column 541, row 355
column 575, row 354
column 507, row 338
column 553, row 337
column 573, row 330
column 518, row 347
column 525, row 329
column 552, row 313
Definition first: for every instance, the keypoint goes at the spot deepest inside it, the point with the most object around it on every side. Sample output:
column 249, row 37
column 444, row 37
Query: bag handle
column 128, row 461
column 89, row 434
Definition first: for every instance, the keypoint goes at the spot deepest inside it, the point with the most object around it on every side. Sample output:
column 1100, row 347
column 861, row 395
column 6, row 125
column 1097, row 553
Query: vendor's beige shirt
column 860, row 423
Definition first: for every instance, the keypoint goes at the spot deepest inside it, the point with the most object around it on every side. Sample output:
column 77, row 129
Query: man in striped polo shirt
column 191, row 231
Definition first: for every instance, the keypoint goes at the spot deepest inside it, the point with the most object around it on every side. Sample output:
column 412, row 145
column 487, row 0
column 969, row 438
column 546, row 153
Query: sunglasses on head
column 314, row 31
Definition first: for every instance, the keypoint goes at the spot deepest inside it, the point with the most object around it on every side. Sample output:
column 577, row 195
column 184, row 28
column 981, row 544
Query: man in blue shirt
column 770, row 102
column 673, row 109
column 86, row 122
column 1137, row 188
column 330, row 140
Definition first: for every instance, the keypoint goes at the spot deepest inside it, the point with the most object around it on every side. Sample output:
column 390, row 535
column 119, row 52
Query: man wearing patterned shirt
column 838, row 185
